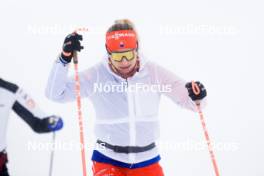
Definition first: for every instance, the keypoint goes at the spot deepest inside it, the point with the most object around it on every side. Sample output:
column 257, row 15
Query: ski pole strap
column 75, row 58
column 127, row 149
column 195, row 88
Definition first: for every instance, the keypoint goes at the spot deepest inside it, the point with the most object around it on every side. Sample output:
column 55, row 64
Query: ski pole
column 196, row 91
column 80, row 118
column 52, row 154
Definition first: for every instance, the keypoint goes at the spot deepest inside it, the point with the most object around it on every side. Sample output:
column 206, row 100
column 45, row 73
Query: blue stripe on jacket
column 99, row 157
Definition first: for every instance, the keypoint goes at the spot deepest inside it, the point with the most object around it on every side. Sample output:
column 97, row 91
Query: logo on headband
column 116, row 35
column 122, row 39
column 122, row 45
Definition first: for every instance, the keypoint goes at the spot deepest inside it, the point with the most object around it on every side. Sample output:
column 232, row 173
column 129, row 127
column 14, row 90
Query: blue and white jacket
column 14, row 98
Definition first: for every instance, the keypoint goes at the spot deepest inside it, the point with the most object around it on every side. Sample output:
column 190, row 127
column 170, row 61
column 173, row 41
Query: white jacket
column 123, row 118
column 14, row 98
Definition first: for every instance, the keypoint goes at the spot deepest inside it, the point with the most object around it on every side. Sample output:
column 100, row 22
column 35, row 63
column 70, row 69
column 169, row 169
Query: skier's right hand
column 71, row 43
column 54, row 123
column 202, row 91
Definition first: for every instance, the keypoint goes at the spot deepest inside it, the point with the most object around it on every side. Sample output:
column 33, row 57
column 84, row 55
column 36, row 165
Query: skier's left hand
column 54, row 123
column 196, row 97
column 71, row 43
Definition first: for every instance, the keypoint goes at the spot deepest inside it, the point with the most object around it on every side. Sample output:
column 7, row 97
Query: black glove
column 71, row 43
column 193, row 96
column 49, row 124
column 3, row 162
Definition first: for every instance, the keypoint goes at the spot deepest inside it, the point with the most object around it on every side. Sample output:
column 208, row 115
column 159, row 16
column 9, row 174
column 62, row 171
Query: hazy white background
column 219, row 43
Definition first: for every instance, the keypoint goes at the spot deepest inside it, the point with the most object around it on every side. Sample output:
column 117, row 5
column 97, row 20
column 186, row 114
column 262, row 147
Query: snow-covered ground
column 216, row 42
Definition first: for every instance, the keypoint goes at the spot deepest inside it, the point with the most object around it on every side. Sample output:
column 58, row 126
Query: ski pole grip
column 75, row 58
column 195, row 88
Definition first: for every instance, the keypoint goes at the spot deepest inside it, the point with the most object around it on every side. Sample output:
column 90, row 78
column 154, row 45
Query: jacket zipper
column 132, row 127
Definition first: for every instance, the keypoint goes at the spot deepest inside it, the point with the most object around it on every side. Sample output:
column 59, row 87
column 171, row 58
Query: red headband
column 122, row 39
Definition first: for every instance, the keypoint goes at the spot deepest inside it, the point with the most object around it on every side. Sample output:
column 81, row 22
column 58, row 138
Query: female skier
column 125, row 89
column 14, row 98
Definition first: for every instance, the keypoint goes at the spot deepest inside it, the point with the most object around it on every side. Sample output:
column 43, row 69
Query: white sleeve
column 26, row 108
column 177, row 91
column 61, row 88
column 26, row 102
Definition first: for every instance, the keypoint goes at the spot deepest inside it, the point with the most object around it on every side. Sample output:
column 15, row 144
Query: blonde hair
column 122, row 24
